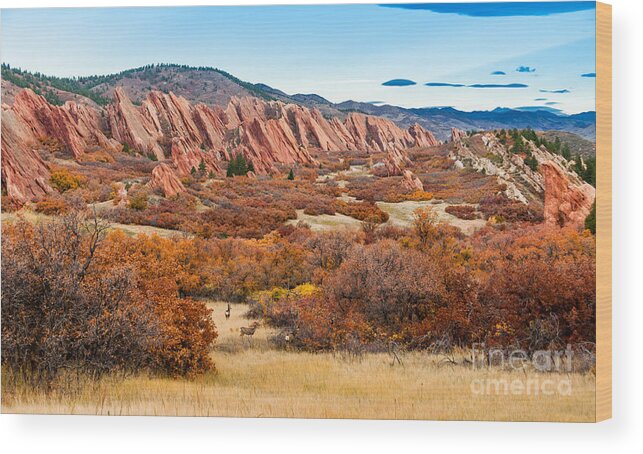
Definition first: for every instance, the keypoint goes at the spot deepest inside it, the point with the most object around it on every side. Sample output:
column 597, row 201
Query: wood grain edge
column 603, row 211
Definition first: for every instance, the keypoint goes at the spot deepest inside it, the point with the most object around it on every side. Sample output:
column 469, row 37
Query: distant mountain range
column 440, row 120
column 215, row 87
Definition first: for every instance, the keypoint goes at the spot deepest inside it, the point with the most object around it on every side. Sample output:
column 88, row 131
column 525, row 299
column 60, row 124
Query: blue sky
column 340, row 52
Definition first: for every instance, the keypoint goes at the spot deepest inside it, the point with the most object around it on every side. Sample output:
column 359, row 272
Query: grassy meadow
column 253, row 379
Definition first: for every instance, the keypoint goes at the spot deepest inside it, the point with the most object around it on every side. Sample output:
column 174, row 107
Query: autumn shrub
column 52, row 144
column 64, row 180
column 458, row 186
column 504, row 209
column 329, row 249
column 97, row 156
column 467, row 212
column 539, row 287
column 364, row 211
column 385, row 189
column 138, row 198
column 380, row 294
column 232, row 269
column 374, row 189
column 433, row 288
column 77, row 299
column 415, row 196
column 9, row 205
column 239, row 220
column 319, row 206
column 392, row 232
column 93, row 191
column 186, row 328
column 307, row 174
column 252, row 208
column 51, row 205
column 276, row 305
column 173, row 214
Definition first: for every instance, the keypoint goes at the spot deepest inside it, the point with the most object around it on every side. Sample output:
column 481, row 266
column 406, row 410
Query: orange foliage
column 64, row 180
column 76, row 299
column 462, row 211
column 187, row 331
column 364, row 211
column 51, row 205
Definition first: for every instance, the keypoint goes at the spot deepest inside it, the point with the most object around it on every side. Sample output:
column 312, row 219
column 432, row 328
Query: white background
column 70, row 434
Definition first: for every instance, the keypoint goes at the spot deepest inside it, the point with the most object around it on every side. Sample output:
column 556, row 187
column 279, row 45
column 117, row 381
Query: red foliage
column 507, row 210
column 462, row 211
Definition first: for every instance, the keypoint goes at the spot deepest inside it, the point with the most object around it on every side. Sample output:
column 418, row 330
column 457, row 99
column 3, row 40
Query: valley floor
column 252, row 379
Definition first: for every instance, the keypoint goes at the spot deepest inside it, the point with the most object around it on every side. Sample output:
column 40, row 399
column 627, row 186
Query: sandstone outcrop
column 456, row 135
column 186, row 157
column 75, row 125
column 484, row 152
column 165, row 179
column 168, row 127
column 568, row 200
column 422, row 137
column 411, row 182
column 30, row 120
column 395, row 160
column 267, row 133
column 135, row 127
column 24, row 174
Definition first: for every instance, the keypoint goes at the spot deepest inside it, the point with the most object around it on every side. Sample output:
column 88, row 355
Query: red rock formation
column 186, row 158
column 568, row 200
column 394, row 161
column 137, row 127
column 164, row 178
column 422, row 137
column 75, row 125
column 375, row 134
column 29, row 120
column 24, row 174
column 411, row 182
column 166, row 125
column 267, row 133
column 456, row 135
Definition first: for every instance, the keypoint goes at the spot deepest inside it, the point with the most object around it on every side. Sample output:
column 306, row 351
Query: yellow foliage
column 415, row 196
column 306, row 289
column 63, row 180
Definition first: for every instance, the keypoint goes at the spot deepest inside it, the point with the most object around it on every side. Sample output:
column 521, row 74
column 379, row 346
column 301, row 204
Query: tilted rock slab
column 568, row 200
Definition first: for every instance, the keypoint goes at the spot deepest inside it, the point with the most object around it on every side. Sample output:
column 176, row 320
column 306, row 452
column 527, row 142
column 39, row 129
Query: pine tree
column 590, row 220
column 531, row 162
column 557, row 145
column 519, row 146
column 202, row 167
column 567, row 154
column 238, row 166
column 231, row 167
column 589, row 173
column 291, row 175
column 242, row 165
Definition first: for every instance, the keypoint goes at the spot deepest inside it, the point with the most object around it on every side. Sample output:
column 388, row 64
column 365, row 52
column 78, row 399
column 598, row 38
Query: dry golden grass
column 129, row 229
column 254, row 380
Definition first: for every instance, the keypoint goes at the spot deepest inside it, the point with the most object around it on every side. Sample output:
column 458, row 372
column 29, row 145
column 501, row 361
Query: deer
column 249, row 330
column 227, row 312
